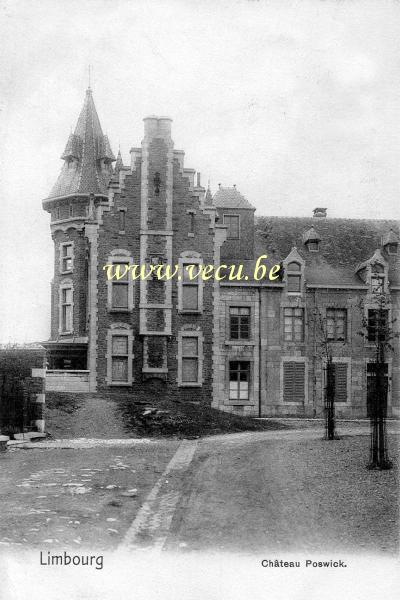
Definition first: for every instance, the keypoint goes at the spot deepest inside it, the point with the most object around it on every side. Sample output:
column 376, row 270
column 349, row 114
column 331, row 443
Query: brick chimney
column 320, row 212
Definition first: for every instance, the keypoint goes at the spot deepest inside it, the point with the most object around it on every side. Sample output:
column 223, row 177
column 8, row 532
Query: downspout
column 259, row 351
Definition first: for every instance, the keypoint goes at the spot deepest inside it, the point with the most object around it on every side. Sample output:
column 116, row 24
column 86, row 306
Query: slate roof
column 345, row 243
column 87, row 145
column 226, row 197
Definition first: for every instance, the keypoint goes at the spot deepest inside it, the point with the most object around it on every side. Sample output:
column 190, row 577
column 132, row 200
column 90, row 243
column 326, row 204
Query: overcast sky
column 297, row 103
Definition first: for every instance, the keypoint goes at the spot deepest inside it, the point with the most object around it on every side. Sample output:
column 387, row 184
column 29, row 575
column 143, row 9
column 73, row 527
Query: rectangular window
column 232, row 221
column 293, row 324
column 377, row 284
column 336, row 324
column 119, row 358
column 239, row 322
column 293, row 382
column 239, row 380
column 66, row 310
column 190, row 288
column 293, row 283
column 190, row 359
column 340, row 382
column 120, row 290
column 378, row 325
column 122, row 220
column 66, row 257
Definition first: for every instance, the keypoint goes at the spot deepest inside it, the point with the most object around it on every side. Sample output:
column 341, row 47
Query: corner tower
column 74, row 205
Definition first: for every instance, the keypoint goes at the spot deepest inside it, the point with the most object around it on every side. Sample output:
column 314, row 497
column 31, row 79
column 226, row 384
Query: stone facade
column 249, row 346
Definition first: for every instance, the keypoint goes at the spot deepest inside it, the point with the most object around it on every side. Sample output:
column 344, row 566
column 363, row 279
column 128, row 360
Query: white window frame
column 253, row 328
column 240, row 401
column 119, row 330
column 66, row 284
column 62, row 257
column 200, row 358
column 116, row 257
column 346, row 328
column 294, row 341
column 190, row 258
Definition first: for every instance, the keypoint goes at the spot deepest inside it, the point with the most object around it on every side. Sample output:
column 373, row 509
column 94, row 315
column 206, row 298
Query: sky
column 297, row 103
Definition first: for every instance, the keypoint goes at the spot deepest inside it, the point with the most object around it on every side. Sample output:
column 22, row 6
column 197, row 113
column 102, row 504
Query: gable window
column 378, row 324
column 232, row 221
column 377, row 279
column 336, row 324
column 293, row 324
column 293, row 381
column 313, row 245
column 239, row 380
column 66, row 309
column 392, row 248
column 293, row 277
column 66, row 257
column 190, row 289
column 239, row 322
column 190, row 358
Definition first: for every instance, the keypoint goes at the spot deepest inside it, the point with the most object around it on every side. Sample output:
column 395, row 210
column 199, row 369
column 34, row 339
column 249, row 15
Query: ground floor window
column 190, row 357
column 119, row 355
column 293, row 381
column 239, row 380
column 341, row 382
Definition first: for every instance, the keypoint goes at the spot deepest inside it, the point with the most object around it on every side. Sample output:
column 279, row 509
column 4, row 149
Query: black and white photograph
column 200, row 299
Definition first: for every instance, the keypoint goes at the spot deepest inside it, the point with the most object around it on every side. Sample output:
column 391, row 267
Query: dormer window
column 377, row 279
column 293, row 277
column 311, row 240
column 390, row 242
column 313, row 246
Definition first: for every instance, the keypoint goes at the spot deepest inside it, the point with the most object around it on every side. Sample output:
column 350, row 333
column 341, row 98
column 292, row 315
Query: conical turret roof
column 119, row 164
column 88, row 156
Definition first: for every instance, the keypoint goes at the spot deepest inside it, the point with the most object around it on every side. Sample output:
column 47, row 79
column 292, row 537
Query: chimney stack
column 320, row 212
column 198, row 179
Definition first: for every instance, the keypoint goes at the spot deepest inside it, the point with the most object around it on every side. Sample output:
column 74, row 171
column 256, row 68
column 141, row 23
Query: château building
column 246, row 346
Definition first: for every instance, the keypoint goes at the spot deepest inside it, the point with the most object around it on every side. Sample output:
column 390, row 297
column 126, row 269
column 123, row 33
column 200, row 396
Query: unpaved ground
column 62, row 498
column 247, row 492
column 302, row 495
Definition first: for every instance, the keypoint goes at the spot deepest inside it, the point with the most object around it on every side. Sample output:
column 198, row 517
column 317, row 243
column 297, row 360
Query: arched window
column 293, row 277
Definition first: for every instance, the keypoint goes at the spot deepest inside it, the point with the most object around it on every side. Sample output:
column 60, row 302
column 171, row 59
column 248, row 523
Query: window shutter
column 340, row 382
column 293, row 382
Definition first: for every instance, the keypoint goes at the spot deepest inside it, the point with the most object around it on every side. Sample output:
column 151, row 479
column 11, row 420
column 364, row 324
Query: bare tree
column 377, row 329
column 323, row 342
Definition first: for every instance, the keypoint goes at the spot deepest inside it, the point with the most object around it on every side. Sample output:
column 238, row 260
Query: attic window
column 313, row 246
column 392, row 248
column 294, row 277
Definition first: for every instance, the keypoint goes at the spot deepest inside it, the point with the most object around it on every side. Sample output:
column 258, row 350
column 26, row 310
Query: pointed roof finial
column 90, row 69
column 119, row 164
